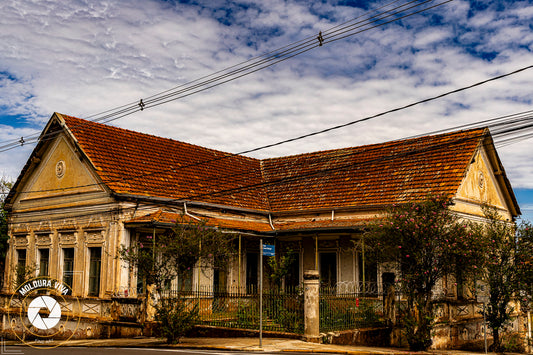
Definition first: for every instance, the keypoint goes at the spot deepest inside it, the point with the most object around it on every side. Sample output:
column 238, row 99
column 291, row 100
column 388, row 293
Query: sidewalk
column 247, row 344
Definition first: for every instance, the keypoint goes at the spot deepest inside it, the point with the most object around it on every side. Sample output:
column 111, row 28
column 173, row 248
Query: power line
column 325, row 171
column 228, row 155
column 301, row 177
column 275, row 58
column 135, row 105
column 315, row 173
column 505, row 125
column 254, row 65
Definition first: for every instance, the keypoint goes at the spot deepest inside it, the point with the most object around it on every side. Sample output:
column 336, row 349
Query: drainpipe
column 270, row 221
column 153, row 246
column 363, row 256
column 187, row 212
column 198, row 270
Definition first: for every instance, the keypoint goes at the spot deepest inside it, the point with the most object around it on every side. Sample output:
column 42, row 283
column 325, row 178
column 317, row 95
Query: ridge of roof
column 481, row 130
column 141, row 164
column 130, row 131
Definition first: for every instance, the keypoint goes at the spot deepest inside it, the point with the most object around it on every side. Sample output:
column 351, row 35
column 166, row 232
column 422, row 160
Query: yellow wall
column 480, row 187
column 53, row 216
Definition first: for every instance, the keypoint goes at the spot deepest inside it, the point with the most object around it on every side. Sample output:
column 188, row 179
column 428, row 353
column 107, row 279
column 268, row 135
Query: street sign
column 269, row 250
column 482, row 293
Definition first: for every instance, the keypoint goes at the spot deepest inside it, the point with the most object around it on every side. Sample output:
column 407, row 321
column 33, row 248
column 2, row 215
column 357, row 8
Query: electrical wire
column 248, row 151
column 327, row 171
column 266, row 62
column 303, row 177
column 238, row 71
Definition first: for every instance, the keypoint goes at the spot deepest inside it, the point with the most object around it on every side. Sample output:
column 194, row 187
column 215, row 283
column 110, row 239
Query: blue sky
column 83, row 57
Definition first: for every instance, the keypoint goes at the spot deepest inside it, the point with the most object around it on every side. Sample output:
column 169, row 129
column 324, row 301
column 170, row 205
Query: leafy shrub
column 248, row 316
column 513, row 343
column 367, row 316
column 177, row 317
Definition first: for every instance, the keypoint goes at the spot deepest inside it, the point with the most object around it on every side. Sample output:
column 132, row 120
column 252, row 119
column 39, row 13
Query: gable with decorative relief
column 20, row 241
column 67, row 239
column 94, row 237
column 59, row 178
column 480, row 187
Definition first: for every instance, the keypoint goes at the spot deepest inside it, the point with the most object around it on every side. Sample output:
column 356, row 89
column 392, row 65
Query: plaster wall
column 480, row 187
column 61, row 204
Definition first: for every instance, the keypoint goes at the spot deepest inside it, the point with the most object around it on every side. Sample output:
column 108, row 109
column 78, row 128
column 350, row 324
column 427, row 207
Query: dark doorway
column 387, row 279
column 292, row 279
column 252, row 263
column 328, row 269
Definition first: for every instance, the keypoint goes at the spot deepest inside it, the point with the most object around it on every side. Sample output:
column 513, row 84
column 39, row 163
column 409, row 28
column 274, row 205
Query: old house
column 89, row 188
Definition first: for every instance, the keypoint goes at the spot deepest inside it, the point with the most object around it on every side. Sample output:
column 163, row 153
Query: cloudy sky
column 82, row 57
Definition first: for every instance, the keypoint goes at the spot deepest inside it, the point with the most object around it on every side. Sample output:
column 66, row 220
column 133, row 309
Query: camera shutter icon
column 53, row 317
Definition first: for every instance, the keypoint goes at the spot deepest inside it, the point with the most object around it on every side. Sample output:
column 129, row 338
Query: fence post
column 311, row 306
column 150, row 302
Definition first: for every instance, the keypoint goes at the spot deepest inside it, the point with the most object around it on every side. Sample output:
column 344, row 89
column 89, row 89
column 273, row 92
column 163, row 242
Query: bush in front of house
column 177, row 317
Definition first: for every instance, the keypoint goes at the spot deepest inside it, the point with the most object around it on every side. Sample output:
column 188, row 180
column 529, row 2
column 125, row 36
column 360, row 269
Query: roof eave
column 32, row 161
column 180, row 202
column 501, row 176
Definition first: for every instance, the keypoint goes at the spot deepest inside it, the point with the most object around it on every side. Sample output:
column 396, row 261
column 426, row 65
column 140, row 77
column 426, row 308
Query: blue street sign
column 269, row 250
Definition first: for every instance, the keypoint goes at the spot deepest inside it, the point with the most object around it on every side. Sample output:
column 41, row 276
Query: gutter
column 272, row 214
column 178, row 202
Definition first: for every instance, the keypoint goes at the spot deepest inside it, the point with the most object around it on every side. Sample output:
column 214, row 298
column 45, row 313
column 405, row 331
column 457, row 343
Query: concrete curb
column 241, row 344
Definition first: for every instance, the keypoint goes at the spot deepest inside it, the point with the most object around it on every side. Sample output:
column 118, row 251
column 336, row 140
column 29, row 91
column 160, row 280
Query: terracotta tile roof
column 380, row 174
column 135, row 163
column 170, row 218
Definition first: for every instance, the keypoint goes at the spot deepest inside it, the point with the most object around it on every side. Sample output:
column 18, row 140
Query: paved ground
column 247, row 344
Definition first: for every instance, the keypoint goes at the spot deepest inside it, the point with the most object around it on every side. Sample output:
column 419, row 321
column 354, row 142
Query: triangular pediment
column 58, row 176
column 481, row 187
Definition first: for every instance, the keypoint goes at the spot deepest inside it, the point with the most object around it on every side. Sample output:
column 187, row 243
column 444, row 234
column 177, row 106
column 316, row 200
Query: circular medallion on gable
column 60, row 169
column 481, row 180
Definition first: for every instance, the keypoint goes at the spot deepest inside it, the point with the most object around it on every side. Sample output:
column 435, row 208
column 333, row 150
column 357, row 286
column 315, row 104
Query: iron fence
column 343, row 308
column 239, row 308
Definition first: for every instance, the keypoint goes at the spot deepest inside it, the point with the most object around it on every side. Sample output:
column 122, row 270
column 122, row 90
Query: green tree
column 500, row 273
column 524, row 262
column 161, row 259
column 5, row 187
column 279, row 267
column 524, row 265
column 427, row 242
